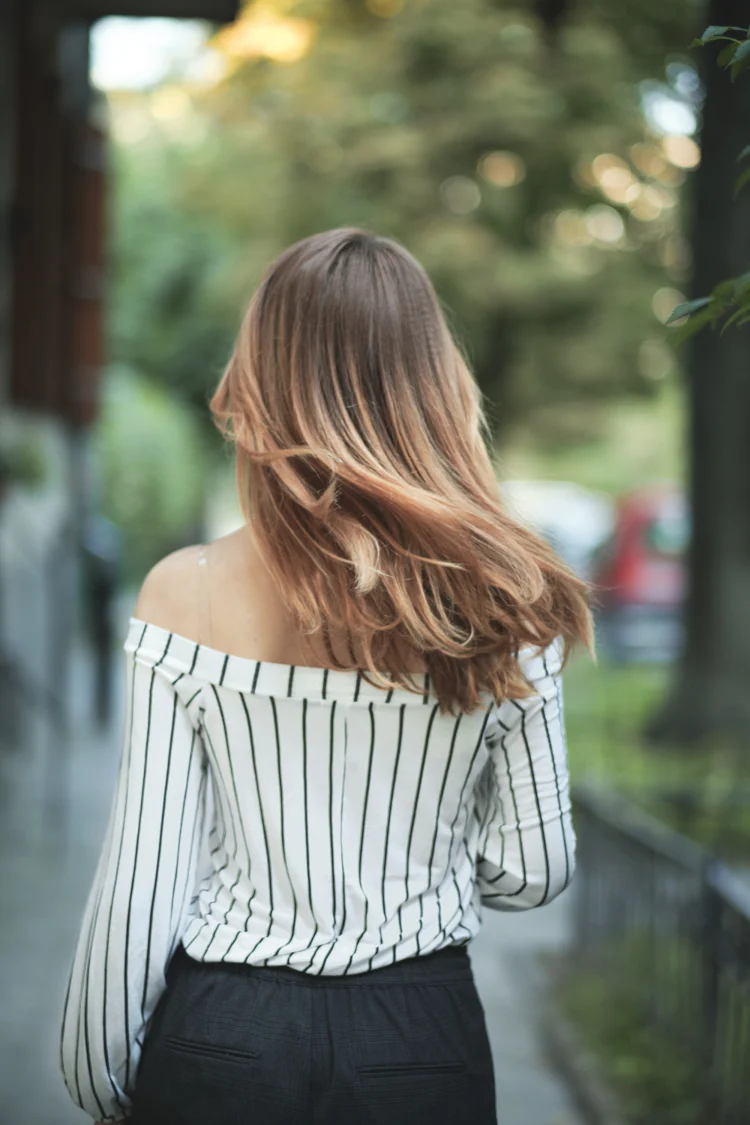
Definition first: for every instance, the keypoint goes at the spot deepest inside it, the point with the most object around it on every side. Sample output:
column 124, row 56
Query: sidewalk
column 50, row 836
column 53, row 815
column 511, row 985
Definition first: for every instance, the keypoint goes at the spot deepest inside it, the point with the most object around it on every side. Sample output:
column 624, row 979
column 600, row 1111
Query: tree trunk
column 710, row 694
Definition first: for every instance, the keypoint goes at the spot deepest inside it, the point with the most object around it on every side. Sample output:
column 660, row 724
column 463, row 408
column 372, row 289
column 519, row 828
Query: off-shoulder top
column 278, row 815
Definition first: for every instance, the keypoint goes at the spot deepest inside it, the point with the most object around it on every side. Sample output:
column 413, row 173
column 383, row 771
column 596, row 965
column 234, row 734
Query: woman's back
column 223, row 596
column 342, row 825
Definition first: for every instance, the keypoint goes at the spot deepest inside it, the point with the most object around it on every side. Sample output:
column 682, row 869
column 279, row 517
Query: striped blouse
column 279, row 815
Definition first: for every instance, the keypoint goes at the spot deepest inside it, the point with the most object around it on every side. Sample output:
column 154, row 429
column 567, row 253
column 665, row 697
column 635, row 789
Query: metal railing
column 672, row 924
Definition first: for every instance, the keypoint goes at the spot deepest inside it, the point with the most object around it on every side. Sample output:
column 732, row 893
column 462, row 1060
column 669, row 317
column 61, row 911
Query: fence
column 675, row 923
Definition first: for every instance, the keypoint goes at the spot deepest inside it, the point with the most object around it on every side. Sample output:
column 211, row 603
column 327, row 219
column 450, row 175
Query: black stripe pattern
column 527, row 835
column 276, row 815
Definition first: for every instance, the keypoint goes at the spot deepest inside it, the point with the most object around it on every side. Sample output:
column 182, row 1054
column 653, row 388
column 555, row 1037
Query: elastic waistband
column 450, row 962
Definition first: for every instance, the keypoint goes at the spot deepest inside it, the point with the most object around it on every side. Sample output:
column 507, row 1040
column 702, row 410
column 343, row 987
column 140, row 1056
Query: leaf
column 737, row 315
column 745, row 153
column 742, row 286
column 726, row 54
column 714, row 31
column 737, row 68
column 741, row 59
column 724, row 290
column 687, row 307
column 741, row 181
column 693, row 324
column 742, row 317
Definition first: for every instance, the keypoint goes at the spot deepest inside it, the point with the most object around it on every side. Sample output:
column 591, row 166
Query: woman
column 343, row 737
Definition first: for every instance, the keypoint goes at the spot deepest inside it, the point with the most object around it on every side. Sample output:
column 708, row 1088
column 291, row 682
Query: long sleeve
column 140, row 897
column 527, row 846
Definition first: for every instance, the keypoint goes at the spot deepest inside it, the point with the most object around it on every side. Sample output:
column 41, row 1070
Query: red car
column 639, row 575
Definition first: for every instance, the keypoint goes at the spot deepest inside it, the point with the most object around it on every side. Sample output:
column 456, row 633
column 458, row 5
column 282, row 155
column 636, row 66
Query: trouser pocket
column 397, row 1070
column 207, row 1050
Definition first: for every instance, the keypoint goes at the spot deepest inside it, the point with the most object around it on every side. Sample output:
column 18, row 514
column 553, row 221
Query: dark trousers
column 242, row 1045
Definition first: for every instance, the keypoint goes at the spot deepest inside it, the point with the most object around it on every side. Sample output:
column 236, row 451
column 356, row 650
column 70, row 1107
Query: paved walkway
column 511, row 985
column 52, row 821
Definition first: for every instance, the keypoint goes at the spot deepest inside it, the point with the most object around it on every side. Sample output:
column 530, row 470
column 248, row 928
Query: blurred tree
column 504, row 144
column 504, row 160
column 552, row 12
column 151, row 467
column 171, row 319
column 710, row 695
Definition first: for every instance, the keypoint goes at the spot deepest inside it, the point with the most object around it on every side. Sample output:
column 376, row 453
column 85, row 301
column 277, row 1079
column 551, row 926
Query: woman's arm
column 527, row 849
column 141, row 889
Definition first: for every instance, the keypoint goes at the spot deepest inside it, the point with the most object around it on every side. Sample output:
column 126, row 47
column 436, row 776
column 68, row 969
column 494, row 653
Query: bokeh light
column 571, row 228
column 665, row 301
column 655, row 360
column 261, row 33
column 605, row 224
column 502, row 169
column 683, row 152
column 460, row 194
column 648, row 159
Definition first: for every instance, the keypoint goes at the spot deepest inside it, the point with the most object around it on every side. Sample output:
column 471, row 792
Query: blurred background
column 566, row 170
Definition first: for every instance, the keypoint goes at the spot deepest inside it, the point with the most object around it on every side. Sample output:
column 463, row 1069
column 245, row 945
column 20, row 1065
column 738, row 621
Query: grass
column 703, row 793
column 654, row 1079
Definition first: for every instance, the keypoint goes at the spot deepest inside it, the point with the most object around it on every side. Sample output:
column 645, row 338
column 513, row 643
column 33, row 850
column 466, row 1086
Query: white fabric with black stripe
column 279, row 815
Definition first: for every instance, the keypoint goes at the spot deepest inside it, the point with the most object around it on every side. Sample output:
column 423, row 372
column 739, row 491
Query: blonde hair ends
column 362, row 467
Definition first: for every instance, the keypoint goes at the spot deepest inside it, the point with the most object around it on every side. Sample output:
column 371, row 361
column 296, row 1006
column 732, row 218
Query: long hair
column 363, row 470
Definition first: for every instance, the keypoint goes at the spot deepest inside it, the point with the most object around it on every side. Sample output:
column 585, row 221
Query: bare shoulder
column 169, row 594
column 231, row 604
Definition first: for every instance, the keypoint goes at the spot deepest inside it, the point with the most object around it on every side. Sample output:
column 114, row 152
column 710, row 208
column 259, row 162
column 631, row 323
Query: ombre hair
column 363, row 471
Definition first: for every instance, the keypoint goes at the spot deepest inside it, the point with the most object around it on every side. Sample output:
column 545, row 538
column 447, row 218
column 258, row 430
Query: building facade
column 53, row 209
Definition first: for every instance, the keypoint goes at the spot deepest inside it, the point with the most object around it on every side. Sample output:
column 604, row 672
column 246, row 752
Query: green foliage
column 22, row 461
column 655, row 1079
column 170, row 317
column 396, row 138
column 702, row 793
column 612, row 447
column 462, row 130
column 151, row 463
column 729, row 302
column 736, row 57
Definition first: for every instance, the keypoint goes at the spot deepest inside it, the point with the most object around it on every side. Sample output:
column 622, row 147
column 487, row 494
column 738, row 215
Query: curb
column 565, row 1052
